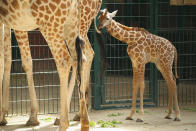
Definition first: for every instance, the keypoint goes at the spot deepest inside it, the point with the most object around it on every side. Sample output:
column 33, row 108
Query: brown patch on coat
column 15, row 4
column 3, row 11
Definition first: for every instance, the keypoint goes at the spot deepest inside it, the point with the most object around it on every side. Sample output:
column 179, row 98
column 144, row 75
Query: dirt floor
column 153, row 121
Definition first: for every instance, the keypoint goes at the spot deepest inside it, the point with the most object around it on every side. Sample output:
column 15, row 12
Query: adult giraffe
column 52, row 18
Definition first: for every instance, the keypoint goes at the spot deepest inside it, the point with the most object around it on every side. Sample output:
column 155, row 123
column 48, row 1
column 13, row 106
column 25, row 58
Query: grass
column 137, row 111
column 108, row 124
column 92, row 124
column 115, row 114
column 48, row 119
column 190, row 109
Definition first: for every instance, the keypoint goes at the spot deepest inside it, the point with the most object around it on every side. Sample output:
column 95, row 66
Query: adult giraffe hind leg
column 85, row 74
column 63, row 62
column 82, row 86
column 23, row 43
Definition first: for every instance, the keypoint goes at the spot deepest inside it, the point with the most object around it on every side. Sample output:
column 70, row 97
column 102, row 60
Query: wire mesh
column 118, row 75
column 177, row 24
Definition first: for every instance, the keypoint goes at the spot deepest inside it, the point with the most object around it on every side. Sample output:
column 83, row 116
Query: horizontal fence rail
column 176, row 23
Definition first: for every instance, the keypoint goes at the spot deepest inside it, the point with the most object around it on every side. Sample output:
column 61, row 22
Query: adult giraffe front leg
column 1, row 67
column 23, row 43
column 6, row 74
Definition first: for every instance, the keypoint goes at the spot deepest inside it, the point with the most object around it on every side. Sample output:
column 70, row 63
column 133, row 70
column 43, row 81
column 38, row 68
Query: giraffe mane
column 132, row 28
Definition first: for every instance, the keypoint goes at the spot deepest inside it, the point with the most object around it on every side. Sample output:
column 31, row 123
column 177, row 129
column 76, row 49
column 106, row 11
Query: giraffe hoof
column 3, row 122
column 168, row 117
column 76, row 117
column 177, row 119
column 84, row 128
column 57, row 121
column 31, row 122
column 84, row 124
column 139, row 120
column 128, row 118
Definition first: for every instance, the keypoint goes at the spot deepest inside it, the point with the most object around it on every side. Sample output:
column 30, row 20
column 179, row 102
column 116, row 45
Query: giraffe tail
column 176, row 61
column 79, row 45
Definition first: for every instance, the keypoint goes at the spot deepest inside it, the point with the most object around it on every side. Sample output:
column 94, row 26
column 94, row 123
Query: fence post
column 97, row 86
column 153, row 70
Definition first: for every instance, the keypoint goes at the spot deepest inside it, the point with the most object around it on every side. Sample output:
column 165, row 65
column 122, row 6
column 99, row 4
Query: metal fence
column 176, row 23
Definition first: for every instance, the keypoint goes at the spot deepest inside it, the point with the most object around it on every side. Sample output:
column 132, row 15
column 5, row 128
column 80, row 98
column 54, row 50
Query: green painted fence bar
column 176, row 23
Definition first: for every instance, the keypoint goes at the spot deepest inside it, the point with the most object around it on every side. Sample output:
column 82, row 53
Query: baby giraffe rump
column 144, row 47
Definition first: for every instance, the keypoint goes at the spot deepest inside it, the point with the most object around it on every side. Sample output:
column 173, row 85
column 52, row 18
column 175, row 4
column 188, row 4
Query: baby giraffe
column 144, row 47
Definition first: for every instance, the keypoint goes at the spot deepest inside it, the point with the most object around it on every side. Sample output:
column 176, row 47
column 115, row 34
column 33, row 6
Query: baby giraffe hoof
column 76, row 117
column 32, row 123
column 128, row 118
column 3, row 122
column 57, row 121
column 168, row 117
column 139, row 120
column 177, row 119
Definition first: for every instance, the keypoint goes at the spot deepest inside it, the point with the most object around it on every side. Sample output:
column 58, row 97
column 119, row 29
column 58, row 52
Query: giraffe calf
column 144, row 47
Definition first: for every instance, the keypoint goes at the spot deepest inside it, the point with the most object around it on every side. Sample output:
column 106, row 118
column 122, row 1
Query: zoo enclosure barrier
column 176, row 23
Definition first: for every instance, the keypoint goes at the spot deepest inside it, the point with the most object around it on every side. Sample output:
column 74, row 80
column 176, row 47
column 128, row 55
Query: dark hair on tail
column 79, row 45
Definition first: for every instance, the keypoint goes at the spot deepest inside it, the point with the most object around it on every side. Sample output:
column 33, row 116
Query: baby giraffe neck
column 123, row 33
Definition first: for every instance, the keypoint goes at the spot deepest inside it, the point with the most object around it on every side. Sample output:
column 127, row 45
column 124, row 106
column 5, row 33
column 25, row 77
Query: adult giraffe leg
column 63, row 62
column 86, row 66
column 23, row 43
column 6, row 77
column 89, row 53
column 1, row 67
column 71, row 46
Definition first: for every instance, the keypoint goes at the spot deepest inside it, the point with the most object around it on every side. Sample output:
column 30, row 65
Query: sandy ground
column 153, row 121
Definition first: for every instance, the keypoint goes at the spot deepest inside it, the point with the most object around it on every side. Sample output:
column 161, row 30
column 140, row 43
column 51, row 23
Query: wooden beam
column 176, row 2
column 189, row 2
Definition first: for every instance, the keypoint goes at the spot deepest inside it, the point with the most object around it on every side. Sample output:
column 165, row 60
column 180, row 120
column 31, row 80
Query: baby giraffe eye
column 107, row 18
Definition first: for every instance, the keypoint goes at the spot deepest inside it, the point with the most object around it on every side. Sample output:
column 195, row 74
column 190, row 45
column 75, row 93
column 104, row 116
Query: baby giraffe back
column 147, row 47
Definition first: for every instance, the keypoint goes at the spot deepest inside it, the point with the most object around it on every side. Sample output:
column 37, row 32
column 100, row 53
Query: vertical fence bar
column 153, row 70
column 97, row 86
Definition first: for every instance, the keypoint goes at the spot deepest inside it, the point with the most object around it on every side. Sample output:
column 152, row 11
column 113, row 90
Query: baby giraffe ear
column 114, row 13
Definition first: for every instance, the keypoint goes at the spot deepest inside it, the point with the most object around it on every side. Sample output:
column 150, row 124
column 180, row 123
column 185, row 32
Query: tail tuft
column 79, row 45
column 177, row 81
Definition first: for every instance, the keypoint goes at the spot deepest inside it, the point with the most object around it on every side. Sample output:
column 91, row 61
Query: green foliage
column 190, row 109
column 48, row 119
column 137, row 111
column 115, row 114
column 108, row 124
column 92, row 124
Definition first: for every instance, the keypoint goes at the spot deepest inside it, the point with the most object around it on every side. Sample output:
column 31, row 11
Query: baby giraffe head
column 105, row 18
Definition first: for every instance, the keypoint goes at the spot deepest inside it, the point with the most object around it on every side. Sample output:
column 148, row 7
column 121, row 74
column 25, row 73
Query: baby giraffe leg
column 141, row 111
column 171, row 83
column 134, row 94
column 170, row 104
